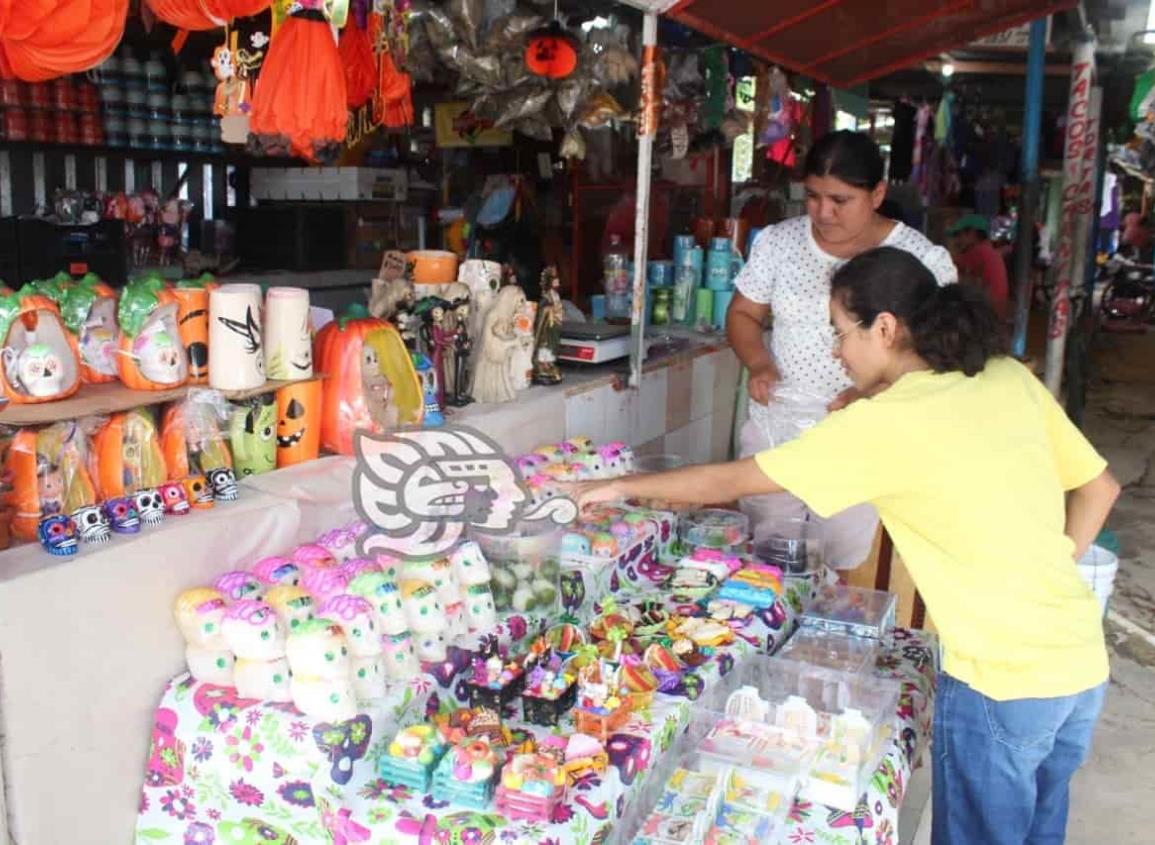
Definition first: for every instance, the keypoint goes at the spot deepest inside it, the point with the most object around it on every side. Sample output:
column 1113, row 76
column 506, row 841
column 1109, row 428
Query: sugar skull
column 480, row 612
column 238, row 585
column 327, row 699
column 430, row 646
column 457, row 623
column 209, row 666
column 358, row 619
column 423, row 609
column 317, row 649
column 172, row 494
column 312, row 556
column 629, row 754
column 122, row 515
column 41, row 370
column 575, row 545
column 604, row 545
column 369, row 677
column 579, row 445
column 469, row 564
column 224, row 484
column 252, row 631
column 277, row 570
column 383, row 594
column 400, row 658
column 264, row 680
column 625, row 455
column 199, row 492
column 589, row 466
column 58, row 535
column 359, row 566
column 159, row 356
column 324, row 583
column 199, row 615
column 293, row 605
column 150, row 506
column 342, row 542
column 92, row 524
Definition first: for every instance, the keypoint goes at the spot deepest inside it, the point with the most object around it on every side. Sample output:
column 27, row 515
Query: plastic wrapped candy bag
column 792, row 410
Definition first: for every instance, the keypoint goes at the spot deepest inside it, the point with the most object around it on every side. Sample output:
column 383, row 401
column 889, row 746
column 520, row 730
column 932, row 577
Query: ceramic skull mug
column 199, row 492
column 224, row 484
column 92, row 524
column 150, row 506
column 58, row 535
column 172, row 494
column 122, row 514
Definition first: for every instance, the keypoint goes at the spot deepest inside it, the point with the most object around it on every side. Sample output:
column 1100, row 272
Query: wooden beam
column 997, row 68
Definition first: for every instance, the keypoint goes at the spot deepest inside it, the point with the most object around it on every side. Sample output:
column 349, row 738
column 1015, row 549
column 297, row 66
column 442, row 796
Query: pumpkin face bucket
column 298, row 422
column 369, row 381
column 551, row 52
column 193, row 323
column 89, row 311
column 151, row 355
column 40, row 361
column 127, row 455
column 252, row 431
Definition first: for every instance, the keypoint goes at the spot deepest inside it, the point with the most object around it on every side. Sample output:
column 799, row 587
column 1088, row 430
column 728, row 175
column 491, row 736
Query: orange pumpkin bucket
column 39, row 356
column 192, row 296
column 150, row 355
column 89, row 311
column 126, row 455
column 299, row 422
column 369, row 383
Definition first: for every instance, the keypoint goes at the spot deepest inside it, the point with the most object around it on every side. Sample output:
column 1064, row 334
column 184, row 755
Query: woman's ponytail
column 952, row 328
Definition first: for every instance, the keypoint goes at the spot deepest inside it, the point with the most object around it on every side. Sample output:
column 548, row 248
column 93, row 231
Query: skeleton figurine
column 92, row 524
column 462, row 349
column 150, row 506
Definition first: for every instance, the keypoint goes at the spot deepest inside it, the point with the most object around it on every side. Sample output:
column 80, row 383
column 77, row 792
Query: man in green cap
column 979, row 262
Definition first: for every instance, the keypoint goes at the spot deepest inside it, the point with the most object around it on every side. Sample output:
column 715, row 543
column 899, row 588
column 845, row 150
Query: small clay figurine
column 493, row 378
column 462, row 349
column 440, row 332
column 547, row 332
column 392, row 290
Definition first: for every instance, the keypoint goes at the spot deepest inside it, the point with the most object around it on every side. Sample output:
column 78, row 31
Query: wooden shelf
column 101, row 399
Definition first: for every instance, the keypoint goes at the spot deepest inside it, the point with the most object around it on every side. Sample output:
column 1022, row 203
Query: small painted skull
column 150, row 506
column 199, row 491
column 58, row 535
column 174, row 497
column 224, row 484
column 92, row 524
column 122, row 515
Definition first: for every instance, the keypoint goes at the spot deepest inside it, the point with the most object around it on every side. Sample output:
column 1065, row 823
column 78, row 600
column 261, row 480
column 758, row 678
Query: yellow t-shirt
column 968, row 475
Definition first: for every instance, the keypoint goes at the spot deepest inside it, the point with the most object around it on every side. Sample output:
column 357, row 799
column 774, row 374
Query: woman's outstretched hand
column 589, row 493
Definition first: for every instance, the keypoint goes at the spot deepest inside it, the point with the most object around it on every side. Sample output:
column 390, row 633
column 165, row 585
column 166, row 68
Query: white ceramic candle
column 237, row 361
column 288, row 334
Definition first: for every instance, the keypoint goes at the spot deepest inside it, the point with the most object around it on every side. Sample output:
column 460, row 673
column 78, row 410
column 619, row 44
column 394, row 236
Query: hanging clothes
column 360, row 65
column 942, row 119
column 902, row 141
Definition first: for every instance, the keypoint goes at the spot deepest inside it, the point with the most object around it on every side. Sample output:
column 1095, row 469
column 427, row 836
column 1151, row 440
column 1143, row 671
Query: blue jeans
column 1001, row 768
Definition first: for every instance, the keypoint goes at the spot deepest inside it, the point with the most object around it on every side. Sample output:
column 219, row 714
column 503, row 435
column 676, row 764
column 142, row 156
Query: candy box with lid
column 831, row 650
column 493, row 681
column 412, row 756
column 851, row 610
column 532, row 785
column 550, row 690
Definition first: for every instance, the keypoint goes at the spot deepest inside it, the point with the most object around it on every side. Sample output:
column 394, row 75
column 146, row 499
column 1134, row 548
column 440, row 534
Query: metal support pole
column 1080, row 163
column 647, row 128
column 1029, row 177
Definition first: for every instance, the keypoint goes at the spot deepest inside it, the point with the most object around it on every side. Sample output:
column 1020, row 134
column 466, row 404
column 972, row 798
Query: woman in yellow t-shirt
column 990, row 494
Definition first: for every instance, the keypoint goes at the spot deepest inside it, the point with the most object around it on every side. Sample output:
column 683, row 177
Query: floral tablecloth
column 228, row 770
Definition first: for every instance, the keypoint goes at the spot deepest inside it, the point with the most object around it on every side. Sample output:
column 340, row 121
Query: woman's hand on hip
column 762, row 383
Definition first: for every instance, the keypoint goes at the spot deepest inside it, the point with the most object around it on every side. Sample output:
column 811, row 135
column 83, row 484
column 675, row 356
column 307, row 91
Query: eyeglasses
column 839, row 337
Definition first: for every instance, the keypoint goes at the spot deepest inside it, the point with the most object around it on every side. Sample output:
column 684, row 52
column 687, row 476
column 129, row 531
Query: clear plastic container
column 851, row 610
column 796, row 545
column 829, row 650
column 714, row 528
column 524, row 566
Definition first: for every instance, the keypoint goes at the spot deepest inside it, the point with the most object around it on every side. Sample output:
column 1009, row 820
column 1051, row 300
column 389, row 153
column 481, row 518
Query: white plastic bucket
column 1098, row 567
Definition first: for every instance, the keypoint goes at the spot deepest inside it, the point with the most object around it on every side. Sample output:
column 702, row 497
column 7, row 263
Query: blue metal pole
column 1029, row 179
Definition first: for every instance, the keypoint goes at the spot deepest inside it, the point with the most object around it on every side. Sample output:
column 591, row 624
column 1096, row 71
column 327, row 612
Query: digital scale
column 593, row 343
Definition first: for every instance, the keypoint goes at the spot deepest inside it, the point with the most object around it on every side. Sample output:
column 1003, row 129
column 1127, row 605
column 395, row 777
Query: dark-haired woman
column 990, row 494
column 788, row 277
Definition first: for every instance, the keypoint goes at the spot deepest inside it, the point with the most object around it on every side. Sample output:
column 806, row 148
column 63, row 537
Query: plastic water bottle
column 616, row 281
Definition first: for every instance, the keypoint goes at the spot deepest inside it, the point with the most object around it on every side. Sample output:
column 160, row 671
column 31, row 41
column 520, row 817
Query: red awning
column 846, row 42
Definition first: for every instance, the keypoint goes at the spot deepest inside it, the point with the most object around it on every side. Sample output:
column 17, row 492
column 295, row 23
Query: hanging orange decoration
column 552, row 52
column 44, row 39
column 297, row 112
column 360, row 67
column 204, row 14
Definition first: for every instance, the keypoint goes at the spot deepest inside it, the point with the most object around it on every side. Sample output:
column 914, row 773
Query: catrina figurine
column 48, row 477
column 252, row 432
column 369, row 384
column 89, row 311
column 151, row 356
